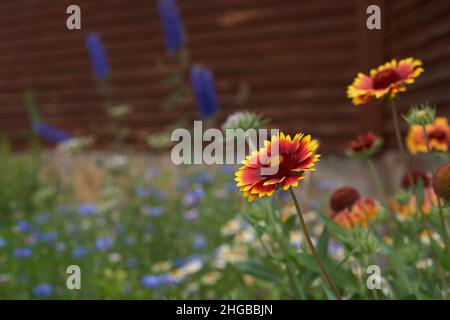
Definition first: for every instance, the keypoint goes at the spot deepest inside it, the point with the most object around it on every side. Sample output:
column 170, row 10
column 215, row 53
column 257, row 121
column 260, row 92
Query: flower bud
column 421, row 115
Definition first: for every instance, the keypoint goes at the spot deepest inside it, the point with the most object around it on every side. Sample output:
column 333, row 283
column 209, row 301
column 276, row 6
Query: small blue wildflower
column 23, row 226
column 42, row 218
column 199, row 242
column 105, row 243
column 143, row 192
column 192, row 197
column 172, row 26
column 154, row 211
column 79, row 252
column 205, row 92
column 22, row 253
column 87, row 209
column 182, row 183
column 154, row 281
column 42, row 290
column 99, row 61
column 50, row 133
column 49, row 236
column 191, row 215
column 2, row 243
column 203, row 177
column 132, row 262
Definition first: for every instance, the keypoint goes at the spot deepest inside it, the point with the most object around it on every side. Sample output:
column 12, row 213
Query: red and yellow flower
column 387, row 80
column 438, row 134
column 359, row 214
column 292, row 158
column 409, row 208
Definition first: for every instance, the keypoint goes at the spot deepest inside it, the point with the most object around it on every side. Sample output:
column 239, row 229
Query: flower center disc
column 385, row 78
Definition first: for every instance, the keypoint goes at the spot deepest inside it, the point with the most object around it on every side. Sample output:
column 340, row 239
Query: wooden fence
column 297, row 58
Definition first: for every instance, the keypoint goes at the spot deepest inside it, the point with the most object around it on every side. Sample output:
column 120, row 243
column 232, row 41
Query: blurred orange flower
column 410, row 207
column 360, row 213
column 438, row 134
column 388, row 79
column 294, row 157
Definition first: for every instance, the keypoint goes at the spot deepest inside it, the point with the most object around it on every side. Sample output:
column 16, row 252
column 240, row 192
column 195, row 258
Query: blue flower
column 23, row 226
column 199, row 242
column 49, row 132
column 192, row 197
column 49, row 236
column 42, row 290
column 22, row 253
column 2, row 243
column 205, row 91
column 87, row 209
column 154, row 211
column 172, row 26
column 154, row 281
column 99, row 61
column 132, row 262
column 42, row 219
column 79, row 252
column 103, row 244
column 144, row 192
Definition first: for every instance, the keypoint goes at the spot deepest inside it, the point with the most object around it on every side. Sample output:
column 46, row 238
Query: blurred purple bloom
column 199, row 242
column 154, row 281
column 192, row 197
column 22, row 253
column 42, row 290
column 50, row 133
column 87, row 209
column 171, row 24
column 191, row 215
column 99, row 61
column 79, row 252
column 102, row 244
column 49, row 236
column 205, row 92
column 23, row 226
column 132, row 262
column 154, row 211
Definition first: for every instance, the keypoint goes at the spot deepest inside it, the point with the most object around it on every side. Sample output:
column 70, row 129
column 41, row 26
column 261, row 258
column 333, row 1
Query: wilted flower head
column 50, row 133
column 245, row 120
column 365, row 146
column 344, row 198
column 97, row 53
column 294, row 157
column 421, row 115
column 387, row 80
column 171, row 23
column 204, row 91
column 441, row 181
column 437, row 135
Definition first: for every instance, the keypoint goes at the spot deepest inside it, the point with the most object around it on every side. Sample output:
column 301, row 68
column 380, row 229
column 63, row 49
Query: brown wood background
column 297, row 57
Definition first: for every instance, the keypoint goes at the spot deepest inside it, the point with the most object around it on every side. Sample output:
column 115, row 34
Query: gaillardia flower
column 344, row 198
column 408, row 207
column 365, row 146
column 294, row 157
column 438, row 137
column 358, row 214
column 387, row 80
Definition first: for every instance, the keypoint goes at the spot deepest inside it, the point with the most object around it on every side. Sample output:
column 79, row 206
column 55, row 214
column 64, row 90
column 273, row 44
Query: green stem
column 444, row 225
column 377, row 179
column 312, row 248
column 399, row 138
column 425, row 135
